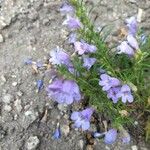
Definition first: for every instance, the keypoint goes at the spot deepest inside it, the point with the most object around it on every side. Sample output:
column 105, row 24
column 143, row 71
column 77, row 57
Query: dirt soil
column 30, row 29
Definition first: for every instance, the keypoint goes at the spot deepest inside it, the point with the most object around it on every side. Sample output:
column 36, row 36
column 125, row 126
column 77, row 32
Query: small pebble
column 133, row 1
column 32, row 142
column 3, row 78
column 62, row 107
column 81, row 144
column 134, row 147
column 7, row 108
column 89, row 147
column 7, row 98
column 65, row 129
column 17, row 105
column 14, row 84
column 19, row 93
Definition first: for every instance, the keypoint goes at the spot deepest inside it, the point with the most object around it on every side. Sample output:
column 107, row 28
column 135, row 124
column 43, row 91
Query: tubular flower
column 64, row 91
column 125, row 94
column 59, row 57
column 125, row 48
column 72, row 38
column 83, row 47
column 72, row 23
column 132, row 42
column 112, row 93
column 66, row 9
column 82, row 118
column 108, row 82
column 88, row 62
column 132, row 25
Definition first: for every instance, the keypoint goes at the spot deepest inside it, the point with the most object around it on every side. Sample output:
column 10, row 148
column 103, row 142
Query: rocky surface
column 30, row 29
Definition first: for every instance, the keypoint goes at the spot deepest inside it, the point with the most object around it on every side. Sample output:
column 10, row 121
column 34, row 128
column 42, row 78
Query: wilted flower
column 125, row 136
column 28, row 61
column 143, row 39
column 132, row 25
column 64, row 91
column 82, row 118
column 39, row 85
column 125, row 48
column 110, row 136
column 126, row 140
column 66, row 9
column 83, row 47
column 88, row 62
column 125, row 94
column 132, row 42
column 72, row 38
column 57, row 133
column 112, row 93
column 39, row 64
column 59, row 57
column 97, row 134
column 72, row 23
column 108, row 82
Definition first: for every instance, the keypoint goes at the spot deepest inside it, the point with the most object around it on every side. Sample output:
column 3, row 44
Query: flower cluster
column 130, row 46
column 82, row 118
column 114, row 89
column 65, row 91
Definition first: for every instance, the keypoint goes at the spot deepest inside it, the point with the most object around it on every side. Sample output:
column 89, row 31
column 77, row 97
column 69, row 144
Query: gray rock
column 62, row 107
column 81, row 144
column 7, row 108
column 32, row 142
column 65, row 129
column 3, row 78
column 132, row 1
column 17, row 105
column 7, row 98
column 14, row 84
column 134, row 147
column 19, row 93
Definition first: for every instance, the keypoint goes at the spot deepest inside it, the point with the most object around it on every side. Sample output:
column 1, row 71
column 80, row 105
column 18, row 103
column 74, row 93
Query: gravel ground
column 30, row 29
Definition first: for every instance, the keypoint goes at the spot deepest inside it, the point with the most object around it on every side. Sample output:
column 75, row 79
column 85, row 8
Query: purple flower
column 125, row 94
column 72, row 23
column 83, row 47
column 112, row 93
column 108, row 82
column 132, row 25
column 66, row 9
column 82, row 118
column 125, row 48
column 110, row 136
column 59, row 57
column 72, row 38
column 132, row 42
column 64, row 91
column 88, row 62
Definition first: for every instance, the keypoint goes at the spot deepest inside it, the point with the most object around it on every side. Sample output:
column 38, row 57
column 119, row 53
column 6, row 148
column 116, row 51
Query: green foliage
column 133, row 71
